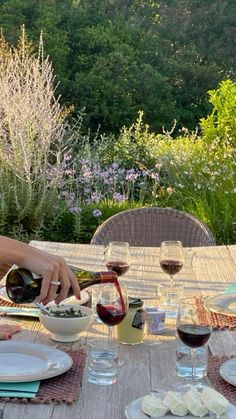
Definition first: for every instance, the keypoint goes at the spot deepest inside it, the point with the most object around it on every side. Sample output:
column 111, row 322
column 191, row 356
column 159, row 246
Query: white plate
column 22, row 362
column 70, row 300
column 133, row 411
column 228, row 371
column 222, row 304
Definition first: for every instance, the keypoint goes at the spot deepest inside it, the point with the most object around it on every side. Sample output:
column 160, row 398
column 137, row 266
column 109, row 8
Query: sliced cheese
column 153, row 406
column 214, row 401
column 174, row 401
column 194, row 403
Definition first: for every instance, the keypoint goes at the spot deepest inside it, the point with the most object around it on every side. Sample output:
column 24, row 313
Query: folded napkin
column 27, row 390
column 231, row 289
column 20, row 311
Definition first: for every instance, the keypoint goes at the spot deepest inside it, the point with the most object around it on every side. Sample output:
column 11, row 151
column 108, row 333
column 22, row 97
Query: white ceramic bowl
column 66, row 329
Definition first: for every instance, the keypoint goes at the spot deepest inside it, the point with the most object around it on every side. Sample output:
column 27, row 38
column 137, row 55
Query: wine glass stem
column 171, row 281
column 193, row 356
column 110, row 330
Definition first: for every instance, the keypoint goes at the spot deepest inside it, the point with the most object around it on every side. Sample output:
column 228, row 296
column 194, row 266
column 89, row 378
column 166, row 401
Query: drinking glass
column 190, row 331
column 117, row 257
column 112, row 305
column 171, row 258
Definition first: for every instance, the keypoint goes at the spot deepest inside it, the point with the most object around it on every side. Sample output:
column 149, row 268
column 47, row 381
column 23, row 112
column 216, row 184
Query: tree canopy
column 116, row 57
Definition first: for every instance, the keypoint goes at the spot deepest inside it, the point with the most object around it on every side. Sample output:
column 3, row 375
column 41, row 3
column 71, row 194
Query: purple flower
column 96, row 197
column 97, row 213
column 154, row 176
column 131, row 175
column 119, row 197
column 75, row 210
column 67, row 157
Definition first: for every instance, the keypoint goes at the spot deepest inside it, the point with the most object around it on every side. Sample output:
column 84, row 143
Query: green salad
column 66, row 313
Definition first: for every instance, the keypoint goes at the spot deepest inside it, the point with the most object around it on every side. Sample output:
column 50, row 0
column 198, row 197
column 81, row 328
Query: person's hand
column 6, row 331
column 53, row 269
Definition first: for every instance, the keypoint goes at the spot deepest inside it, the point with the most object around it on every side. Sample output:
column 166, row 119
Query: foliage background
column 116, row 57
column 159, row 125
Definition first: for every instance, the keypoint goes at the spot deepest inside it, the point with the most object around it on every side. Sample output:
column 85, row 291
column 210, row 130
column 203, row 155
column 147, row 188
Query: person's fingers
column 49, row 285
column 61, row 275
column 74, row 284
column 65, row 284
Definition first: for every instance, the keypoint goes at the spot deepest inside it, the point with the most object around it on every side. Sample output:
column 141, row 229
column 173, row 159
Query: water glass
column 184, row 362
column 102, row 365
column 168, row 298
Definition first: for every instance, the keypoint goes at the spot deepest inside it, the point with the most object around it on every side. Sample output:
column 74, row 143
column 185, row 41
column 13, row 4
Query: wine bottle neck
column 107, row 277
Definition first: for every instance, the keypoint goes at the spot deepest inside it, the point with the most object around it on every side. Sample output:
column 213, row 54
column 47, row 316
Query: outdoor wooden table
column 142, row 367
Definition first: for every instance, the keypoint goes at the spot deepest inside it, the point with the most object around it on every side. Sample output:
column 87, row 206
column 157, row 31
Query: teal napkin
column 20, row 311
column 27, row 390
column 231, row 289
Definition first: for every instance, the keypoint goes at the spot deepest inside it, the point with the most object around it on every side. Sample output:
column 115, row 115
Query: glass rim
column 117, row 243
column 165, row 242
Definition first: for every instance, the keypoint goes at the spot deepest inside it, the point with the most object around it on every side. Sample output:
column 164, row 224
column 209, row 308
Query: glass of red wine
column 193, row 331
column 171, row 258
column 112, row 305
column 117, row 257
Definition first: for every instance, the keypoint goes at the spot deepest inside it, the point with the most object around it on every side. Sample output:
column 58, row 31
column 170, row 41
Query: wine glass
column 171, row 258
column 117, row 257
column 112, row 305
column 192, row 330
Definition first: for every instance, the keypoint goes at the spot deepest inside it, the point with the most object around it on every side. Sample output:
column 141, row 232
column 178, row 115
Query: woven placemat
column 64, row 388
column 217, row 382
column 6, row 303
column 219, row 321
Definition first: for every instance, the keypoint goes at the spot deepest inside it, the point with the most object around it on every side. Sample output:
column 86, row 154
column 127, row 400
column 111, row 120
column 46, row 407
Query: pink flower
column 169, row 190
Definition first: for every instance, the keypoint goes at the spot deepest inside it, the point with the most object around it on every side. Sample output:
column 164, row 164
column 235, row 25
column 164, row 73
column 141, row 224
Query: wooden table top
column 143, row 367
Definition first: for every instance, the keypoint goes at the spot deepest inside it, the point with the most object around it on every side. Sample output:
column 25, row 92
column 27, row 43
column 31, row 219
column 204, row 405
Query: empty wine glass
column 112, row 304
column 117, row 257
column 191, row 331
column 171, row 258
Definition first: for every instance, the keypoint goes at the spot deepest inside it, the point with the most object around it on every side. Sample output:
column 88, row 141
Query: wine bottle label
column 139, row 319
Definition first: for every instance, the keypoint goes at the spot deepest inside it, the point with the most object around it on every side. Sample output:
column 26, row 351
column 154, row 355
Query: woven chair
column 151, row 226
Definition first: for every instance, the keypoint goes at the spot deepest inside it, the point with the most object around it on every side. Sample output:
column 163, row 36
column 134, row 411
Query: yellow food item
column 174, row 401
column 194, row 403
column 214, row 401
column 153, row 406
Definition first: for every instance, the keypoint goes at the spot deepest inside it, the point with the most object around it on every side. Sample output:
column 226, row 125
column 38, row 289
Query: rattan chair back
column 151, row 226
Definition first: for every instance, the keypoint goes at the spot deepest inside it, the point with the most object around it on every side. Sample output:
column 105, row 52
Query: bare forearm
column 12, row 251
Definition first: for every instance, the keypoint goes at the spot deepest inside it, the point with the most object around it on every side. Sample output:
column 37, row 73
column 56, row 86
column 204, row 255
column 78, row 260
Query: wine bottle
column 22, row 286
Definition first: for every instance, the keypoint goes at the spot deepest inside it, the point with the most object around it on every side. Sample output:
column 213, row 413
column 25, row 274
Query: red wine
column 193, row 335
column 110, row 315
column 119, row 267
column 171, row 267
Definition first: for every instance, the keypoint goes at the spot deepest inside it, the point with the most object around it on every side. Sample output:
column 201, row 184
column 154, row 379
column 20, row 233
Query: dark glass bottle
column 23, row 287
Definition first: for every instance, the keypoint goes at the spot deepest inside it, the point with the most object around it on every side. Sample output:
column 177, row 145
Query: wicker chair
column 151, row 226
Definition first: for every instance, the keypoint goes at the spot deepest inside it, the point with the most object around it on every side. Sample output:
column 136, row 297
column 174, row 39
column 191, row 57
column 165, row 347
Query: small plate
column 222, row 304
column 228, row 371
column 133, row 411
column 22, row 362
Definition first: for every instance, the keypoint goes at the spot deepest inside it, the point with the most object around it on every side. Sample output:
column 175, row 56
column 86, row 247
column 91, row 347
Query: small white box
column 155, row 320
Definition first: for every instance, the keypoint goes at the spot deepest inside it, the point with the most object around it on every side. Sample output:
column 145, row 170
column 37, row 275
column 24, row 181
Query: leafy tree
column 116, row 57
